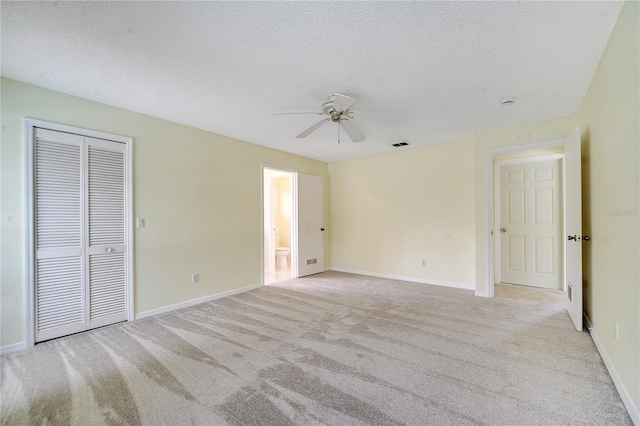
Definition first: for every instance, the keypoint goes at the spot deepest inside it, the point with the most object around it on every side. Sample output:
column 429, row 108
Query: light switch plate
column 140, row 222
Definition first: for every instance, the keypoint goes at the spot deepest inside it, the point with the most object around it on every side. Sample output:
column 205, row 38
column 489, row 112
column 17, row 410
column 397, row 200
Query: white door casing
column 79, row 225
column 310, row 202
column 573, row 226
column 531, row 224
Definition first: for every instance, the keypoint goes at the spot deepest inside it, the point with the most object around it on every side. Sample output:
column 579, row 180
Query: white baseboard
column 634, row 413
column 12, row 348
column 481, row 293
column 404, row 278
column 195, row 301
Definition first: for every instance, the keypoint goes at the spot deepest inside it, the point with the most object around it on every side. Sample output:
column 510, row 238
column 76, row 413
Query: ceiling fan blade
column 374, row 116
column 342, row 102
column 313, row 128
column 297, row 113
column 352, row 131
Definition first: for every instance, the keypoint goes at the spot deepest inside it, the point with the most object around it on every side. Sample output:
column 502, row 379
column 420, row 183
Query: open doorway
column 528, row 211
column 279, row 251
column 569, row 149
column 528, row 233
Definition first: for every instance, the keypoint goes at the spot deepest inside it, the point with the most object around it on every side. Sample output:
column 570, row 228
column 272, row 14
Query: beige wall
column 388, row 212
column 199, row 193
column 610, row 119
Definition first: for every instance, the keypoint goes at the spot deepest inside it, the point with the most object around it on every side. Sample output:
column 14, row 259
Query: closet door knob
column 109, row 250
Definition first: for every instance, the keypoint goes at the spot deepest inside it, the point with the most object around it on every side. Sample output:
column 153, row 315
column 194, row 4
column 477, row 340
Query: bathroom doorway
column 279, row 253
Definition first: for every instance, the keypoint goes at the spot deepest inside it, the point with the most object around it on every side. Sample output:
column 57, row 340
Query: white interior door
column 105, row 219
column 310, row 236
column 58, row 202
column 573, row 226
column 531, row 224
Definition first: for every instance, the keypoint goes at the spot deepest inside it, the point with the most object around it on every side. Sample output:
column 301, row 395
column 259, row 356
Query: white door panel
column 310, row 225
column 59, row 269
column 573, row 226
column 106, row 207
column 530, row 223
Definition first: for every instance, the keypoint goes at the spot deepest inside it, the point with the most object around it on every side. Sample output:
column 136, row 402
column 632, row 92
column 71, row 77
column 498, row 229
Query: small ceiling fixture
column 508, row 101
column 523, row 137
column 401, row 143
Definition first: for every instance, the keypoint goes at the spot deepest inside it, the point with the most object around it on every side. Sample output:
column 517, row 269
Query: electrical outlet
column 195, row 277
column 616, row 332
column 424, row 262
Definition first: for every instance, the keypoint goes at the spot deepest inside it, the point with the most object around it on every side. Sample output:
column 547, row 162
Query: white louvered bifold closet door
column 59, row 268
column 80, row 233
column 106, row 225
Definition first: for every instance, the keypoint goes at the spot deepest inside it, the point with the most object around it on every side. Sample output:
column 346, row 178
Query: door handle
column 503, row 229
column 322, row 229
column 586, row 238
column 574, row 237
column 109, row 250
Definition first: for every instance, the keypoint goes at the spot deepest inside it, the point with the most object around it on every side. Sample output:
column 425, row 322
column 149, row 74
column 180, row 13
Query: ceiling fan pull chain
column 338, row 133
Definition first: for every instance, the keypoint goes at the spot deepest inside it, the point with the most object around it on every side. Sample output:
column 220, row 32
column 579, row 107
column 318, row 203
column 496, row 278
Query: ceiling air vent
column 399, row 144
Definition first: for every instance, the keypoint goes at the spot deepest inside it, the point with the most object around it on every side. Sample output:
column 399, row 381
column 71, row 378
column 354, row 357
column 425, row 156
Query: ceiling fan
column 336, row 109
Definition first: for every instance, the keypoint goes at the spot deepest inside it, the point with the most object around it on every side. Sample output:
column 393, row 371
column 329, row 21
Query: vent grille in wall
column 311, row 261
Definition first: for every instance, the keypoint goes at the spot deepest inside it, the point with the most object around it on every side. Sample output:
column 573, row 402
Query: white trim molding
column 634, row 412
column 463, row 286
column 16, row 347
column 192, row 302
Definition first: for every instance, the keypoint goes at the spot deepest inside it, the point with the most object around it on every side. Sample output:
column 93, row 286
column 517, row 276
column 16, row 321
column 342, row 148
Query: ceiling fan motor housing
column 327, row 106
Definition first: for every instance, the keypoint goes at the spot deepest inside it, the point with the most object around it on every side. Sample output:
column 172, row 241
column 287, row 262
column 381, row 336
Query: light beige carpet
column 334, row 349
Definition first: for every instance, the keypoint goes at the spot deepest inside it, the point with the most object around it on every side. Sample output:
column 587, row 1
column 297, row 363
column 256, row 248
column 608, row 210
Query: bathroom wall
column 284, row 207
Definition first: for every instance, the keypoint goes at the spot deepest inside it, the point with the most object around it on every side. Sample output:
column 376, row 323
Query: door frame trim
column 496, row 200
column 490, row 200
column 294, row 217
column 29, row 128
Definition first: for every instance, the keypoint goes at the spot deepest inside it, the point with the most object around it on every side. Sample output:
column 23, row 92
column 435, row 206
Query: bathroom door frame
column 294, row 217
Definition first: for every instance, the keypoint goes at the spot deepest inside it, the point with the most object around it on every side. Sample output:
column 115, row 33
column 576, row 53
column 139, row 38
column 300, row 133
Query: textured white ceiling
column 227, row 67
